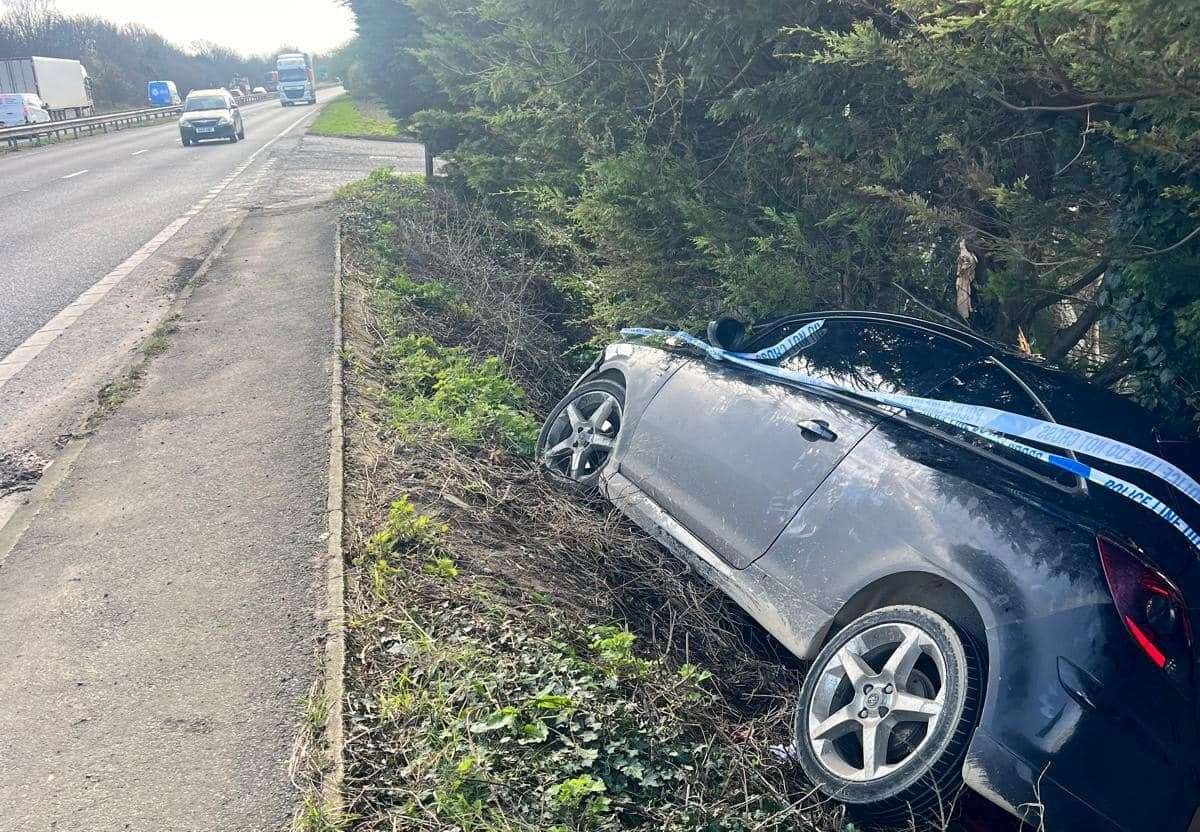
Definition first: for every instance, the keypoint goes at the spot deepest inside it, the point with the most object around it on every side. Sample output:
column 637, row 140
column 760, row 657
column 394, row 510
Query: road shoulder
column 162, row 611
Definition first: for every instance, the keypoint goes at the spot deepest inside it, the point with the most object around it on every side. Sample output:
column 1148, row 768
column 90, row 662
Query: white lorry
column 297, row 79
column 61, row 83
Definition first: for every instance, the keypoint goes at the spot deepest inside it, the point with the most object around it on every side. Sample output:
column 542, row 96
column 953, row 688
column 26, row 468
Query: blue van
column 163, row 94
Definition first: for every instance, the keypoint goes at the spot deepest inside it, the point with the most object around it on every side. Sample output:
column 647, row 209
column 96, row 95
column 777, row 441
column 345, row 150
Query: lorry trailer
column 61, row 83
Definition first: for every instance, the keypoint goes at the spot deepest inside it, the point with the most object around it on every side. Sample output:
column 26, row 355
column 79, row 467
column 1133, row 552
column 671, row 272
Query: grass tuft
column 347, row 118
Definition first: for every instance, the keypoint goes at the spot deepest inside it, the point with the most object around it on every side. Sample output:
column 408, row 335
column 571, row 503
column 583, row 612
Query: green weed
column 316, row 816
column 472, row 402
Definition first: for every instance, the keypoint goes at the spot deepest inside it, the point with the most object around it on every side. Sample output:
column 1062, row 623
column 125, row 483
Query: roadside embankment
column 517, row 658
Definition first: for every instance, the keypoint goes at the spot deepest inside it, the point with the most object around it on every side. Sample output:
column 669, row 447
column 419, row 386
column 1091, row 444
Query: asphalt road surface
column 72, row 212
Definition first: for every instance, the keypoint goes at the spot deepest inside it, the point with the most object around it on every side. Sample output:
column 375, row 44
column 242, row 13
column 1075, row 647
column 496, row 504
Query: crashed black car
column 971, row 615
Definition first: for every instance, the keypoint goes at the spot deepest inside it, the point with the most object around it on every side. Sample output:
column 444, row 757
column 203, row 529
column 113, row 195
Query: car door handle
column 814, row 429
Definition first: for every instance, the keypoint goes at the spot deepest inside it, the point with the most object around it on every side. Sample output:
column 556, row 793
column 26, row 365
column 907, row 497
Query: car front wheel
column 886, row 712
column 579, row 436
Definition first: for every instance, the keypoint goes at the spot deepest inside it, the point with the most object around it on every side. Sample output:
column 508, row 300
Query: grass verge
column 518, row 659
column 346, row 117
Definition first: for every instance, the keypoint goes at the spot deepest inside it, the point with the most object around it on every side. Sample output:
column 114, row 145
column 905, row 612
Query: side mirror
column 727, row 333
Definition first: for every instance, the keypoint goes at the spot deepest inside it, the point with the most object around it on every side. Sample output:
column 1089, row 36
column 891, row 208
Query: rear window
column 1075, row 402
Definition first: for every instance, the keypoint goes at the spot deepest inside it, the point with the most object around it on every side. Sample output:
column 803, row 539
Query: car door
column 732, row 454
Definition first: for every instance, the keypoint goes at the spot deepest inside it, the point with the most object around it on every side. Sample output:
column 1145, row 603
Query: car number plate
column 205, row 129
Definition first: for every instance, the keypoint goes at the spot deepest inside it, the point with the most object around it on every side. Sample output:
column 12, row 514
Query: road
column 72, row 212
column 99, row 236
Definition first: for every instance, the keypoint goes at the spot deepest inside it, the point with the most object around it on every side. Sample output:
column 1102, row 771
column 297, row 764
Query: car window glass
column 989, row 385
column 205, row 102
column 879, row 357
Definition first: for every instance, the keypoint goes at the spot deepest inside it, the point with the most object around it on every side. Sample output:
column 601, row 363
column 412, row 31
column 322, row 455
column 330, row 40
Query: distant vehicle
column 61, row 84
column 297, row 79
column 259, row 90
column 163, row 94
column 22, row 108
column 210, row 114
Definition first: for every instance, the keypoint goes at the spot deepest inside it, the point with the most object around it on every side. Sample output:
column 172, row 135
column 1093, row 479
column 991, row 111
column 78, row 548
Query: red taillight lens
column 1151, row 608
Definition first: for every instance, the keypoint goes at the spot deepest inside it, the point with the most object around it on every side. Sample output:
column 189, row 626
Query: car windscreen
column 205, row 102
column 297, row 74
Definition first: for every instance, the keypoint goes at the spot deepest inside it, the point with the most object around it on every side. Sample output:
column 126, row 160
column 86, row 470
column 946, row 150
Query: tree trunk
column 1064, row 339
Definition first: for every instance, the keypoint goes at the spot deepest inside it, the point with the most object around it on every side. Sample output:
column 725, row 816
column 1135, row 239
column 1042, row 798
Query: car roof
column 199, row 93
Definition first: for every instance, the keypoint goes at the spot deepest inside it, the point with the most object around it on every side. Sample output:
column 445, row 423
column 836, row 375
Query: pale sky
column 249, row 26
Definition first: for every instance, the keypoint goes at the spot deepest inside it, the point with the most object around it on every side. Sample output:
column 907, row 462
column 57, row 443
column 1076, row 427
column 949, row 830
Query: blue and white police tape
column 801, row 338
column 987, row 422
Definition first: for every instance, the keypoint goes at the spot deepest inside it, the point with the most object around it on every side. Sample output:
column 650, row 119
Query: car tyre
column 242, row 132
column 186, row 142
column 926, row 677
column 578, row 437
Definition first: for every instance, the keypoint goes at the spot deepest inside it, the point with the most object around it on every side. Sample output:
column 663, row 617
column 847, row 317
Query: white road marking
column 76, row 173
column 32, row 346
column 140, row 152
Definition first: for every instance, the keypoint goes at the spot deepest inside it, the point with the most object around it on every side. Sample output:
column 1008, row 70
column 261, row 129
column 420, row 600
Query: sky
column 248, row 26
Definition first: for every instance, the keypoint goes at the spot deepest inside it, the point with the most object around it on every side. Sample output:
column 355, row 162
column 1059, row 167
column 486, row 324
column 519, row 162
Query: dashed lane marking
column 140, row 152
column 76, row 173
column 32, row 346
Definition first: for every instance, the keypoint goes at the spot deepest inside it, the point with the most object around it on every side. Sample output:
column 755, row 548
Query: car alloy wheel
column 578, row 438
column 886, row 712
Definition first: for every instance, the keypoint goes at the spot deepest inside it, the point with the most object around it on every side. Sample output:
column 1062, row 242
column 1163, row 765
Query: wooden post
column 428, row 164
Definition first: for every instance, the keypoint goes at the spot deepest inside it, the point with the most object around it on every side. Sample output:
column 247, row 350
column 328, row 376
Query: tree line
column 121, row 59
column 1027, row 169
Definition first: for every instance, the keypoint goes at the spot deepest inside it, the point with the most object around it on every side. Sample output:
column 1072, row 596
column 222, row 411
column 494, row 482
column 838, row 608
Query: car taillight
column 1151, row 608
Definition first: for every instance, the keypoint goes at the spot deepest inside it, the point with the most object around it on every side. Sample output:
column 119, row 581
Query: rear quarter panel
column 1023, row 551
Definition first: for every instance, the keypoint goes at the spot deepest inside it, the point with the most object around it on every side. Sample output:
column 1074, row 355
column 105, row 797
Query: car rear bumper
column 1097, row 741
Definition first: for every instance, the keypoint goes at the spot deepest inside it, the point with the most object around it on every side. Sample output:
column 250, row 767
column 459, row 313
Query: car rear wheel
column 886, row 712
column 579, row 435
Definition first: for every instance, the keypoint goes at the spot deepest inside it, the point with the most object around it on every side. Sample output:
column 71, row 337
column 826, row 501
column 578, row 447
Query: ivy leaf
column 496, row 721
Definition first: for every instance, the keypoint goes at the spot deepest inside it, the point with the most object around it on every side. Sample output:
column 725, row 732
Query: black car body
column 811, row 508
column 210, row 114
